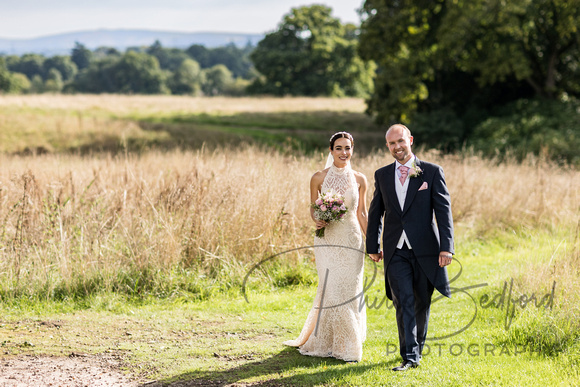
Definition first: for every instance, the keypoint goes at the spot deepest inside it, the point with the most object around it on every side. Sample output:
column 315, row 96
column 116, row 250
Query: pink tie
column 404, row 173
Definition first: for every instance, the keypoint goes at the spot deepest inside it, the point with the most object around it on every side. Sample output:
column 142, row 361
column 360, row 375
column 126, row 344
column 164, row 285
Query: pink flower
column 318, row 202
column 323, row 207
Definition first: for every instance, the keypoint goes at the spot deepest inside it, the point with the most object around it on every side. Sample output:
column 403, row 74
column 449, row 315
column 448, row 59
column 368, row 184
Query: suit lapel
column 391, row 192
column 414, row 184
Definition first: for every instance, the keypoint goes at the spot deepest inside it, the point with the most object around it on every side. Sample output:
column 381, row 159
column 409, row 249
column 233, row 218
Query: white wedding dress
column 339, row 328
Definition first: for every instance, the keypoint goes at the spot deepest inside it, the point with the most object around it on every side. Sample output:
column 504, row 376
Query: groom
column 412, row 202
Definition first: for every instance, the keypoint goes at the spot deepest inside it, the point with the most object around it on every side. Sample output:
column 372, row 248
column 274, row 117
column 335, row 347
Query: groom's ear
column 410, row 140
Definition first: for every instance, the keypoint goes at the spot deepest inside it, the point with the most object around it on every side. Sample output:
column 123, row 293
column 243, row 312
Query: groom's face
column 399, row 143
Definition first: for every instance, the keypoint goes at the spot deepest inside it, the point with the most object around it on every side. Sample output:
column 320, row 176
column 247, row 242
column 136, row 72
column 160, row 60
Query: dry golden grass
column 69, row 219
column 539, row 203
column 66, row 217
column 31, row 132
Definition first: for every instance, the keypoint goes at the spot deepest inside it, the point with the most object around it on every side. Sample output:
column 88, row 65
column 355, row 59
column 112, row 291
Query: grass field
column 114, row 123
column 123, row 233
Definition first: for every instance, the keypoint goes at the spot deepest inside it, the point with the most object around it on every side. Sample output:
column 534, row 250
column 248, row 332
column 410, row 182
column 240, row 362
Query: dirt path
column 82, row 371
column 37, row 371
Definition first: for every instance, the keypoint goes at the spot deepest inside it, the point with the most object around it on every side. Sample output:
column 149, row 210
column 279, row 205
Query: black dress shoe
column 405, row 365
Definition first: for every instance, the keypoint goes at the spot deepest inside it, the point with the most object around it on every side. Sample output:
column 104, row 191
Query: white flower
column 415, row 171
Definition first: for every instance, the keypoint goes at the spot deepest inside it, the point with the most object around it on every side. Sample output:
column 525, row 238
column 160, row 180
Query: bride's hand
column 320, row 224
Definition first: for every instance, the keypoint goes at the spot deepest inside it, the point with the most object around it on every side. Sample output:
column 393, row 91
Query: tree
column 139, row 73
column 54, row 82
column 36, row 84
column 311, row 53
column 468, row 55
column 20, row 83
column 536, row 41
column 104, row 52
column 235, row 59
column 200, row 54
column 217, row 80
column 131, row 73
column 28, row 64
column 5, row 77
column 65, row 66
column 168, row 58
column 12, row 82
column 187, row 79
column 81, row 56
column 99, row 77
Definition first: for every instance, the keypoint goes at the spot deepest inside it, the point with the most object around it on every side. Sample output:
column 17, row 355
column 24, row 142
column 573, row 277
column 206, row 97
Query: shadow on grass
column 310, row 120
column 283, row 131
column 269, row 372
column 305, row 132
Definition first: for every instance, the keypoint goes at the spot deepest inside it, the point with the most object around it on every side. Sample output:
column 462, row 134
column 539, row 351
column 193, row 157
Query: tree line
column 141, row 70
column 495, row 75
column 312, row 53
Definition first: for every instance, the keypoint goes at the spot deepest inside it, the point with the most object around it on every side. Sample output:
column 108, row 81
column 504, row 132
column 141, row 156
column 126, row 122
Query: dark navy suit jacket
column 426, row 219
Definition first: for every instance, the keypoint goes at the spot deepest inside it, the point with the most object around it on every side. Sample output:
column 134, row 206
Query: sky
column 35, row 18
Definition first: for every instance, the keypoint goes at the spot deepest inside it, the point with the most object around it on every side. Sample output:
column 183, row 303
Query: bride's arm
column 362, row 212
column 315, row 186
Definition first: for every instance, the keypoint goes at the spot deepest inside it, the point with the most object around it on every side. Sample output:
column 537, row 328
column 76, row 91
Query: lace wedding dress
column 338, row 329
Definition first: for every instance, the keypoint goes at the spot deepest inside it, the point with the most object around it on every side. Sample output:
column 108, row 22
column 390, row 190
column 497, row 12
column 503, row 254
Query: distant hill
column 62, row 44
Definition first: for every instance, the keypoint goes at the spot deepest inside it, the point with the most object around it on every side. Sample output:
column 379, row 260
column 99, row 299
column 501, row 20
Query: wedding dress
column 338, row 329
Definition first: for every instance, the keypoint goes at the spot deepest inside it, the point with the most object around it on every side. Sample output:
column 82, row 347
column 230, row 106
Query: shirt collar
column 407, row 164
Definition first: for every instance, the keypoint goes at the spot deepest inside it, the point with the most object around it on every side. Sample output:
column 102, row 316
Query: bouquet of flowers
column 328, row 207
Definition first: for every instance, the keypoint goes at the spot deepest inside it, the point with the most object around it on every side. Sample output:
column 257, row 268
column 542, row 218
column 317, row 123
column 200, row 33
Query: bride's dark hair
column 338, row 135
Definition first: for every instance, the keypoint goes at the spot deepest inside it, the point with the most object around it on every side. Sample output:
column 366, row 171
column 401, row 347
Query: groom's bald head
column 397, row 127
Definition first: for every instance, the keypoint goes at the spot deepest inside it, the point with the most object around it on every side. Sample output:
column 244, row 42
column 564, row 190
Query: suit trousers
column 411, row 291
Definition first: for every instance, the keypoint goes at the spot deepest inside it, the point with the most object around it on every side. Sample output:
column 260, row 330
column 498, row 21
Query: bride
column 337, row 328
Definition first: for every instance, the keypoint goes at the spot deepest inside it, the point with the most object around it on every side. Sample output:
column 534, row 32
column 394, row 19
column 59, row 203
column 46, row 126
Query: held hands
column 445, row 258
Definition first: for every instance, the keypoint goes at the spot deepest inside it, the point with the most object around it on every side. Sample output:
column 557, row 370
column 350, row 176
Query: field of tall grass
column 74, row 225
column 157, row 221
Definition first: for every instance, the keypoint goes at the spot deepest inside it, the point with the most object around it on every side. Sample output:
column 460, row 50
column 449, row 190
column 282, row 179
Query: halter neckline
column 340, row 170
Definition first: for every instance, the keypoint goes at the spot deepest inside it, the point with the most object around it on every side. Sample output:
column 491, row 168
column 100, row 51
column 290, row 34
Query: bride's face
column 342, row 152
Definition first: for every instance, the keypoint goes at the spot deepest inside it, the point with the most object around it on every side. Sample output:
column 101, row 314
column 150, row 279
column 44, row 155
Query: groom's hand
column 377, row 257
column 445, row 258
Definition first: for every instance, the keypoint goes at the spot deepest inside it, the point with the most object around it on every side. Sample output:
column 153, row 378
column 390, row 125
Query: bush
column 542, row 127
column 439, row 128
